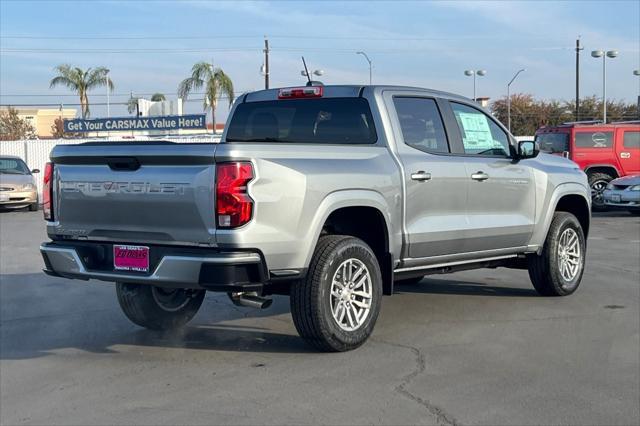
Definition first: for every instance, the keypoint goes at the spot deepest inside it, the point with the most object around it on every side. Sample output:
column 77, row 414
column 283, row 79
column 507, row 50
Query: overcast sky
column 151, row 46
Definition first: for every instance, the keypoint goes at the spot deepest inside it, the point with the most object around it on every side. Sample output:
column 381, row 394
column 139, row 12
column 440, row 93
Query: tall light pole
column 368, row 60
column 473, row 73
column 509, row 98
column 602, row 54
column 637, row 74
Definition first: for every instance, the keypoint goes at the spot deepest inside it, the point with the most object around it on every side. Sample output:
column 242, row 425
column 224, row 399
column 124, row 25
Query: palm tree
column 158, row 97
column 81, row 81
column 132, row 105
column 215, row 82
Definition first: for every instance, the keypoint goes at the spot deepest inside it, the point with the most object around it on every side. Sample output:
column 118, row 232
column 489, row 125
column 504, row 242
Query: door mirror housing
column 527, row 149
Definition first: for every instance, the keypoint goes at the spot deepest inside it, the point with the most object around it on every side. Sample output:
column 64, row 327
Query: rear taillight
column 233, row 204
column 47, row 192
column 301, row 92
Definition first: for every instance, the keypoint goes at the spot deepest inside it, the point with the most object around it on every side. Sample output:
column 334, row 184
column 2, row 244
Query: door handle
column 421, row 176
column 480, row 176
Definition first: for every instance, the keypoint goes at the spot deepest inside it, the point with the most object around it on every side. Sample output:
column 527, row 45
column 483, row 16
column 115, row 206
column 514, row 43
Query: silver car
column 17, row 186
column 624, row 193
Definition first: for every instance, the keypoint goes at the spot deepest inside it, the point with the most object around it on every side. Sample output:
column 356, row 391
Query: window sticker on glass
column 477, row 134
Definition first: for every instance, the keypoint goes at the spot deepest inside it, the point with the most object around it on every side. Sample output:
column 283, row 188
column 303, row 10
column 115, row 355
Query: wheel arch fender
column 562, row 191
column 603, row 168
column 349, row 198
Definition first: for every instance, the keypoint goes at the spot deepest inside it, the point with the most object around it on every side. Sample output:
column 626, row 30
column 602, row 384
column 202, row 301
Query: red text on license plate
column 131, row 258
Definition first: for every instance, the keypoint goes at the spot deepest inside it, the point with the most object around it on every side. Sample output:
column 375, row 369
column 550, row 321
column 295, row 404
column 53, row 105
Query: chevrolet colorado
column 328, row 194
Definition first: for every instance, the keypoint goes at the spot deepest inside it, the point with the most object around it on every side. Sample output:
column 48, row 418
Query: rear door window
column 553, row 142
column 314, row 121
column 480, row 134
column 594, row 139
column 631, row 140
column 421, row 124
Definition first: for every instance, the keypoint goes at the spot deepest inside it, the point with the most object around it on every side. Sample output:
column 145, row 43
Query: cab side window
column 480, row 134
column 631, row 139
column 421, row 124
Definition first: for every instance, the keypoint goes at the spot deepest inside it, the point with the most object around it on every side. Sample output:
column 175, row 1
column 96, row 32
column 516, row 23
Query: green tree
column 158, row 97
column 529, row 114
column 12, row 127
column 215, row 82
column 132, row 105
column 81, row 81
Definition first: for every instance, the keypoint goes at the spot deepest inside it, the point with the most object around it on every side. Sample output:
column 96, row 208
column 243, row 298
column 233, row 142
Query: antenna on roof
column 306, row 71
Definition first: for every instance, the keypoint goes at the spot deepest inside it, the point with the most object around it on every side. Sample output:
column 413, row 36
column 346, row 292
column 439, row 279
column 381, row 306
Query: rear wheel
column 158, row 308
column 336, row 306
column 598, row 183
column 557, row 271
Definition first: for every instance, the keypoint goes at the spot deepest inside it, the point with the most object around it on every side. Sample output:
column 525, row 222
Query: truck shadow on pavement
column 441, row 286
column 41, row 315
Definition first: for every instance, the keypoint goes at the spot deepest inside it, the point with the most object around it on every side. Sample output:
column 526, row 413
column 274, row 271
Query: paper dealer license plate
column 131, row 258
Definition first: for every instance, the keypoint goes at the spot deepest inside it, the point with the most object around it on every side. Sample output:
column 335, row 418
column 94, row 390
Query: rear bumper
column 175, row 268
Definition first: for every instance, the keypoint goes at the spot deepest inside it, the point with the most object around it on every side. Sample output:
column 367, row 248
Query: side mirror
column 527, row 149
column 35, row 171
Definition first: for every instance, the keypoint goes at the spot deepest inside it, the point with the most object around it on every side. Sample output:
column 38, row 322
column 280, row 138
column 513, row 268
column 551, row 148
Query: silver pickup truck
column 328, row 194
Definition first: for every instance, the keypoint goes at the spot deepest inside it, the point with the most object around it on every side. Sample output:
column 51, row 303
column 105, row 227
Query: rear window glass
column 594, row 139
column 315, row 121
column 631, row 140
column 421, row 124
column 553, row 142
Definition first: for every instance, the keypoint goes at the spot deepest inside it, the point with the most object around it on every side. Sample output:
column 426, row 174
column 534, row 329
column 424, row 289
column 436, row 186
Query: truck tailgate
column 146, row 192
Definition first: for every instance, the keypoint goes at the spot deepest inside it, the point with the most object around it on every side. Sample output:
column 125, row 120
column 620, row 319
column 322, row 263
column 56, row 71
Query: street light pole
column 611, row 54
column 637, row 74
column 509, row 98
column 473, row 73
column 369, row 61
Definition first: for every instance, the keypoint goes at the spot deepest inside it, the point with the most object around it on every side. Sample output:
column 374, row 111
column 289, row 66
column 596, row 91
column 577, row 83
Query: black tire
column 311, row 301
column 410, row 281
column 33, row 207
column 544, row 269
column 598, row 182
column 157, row 308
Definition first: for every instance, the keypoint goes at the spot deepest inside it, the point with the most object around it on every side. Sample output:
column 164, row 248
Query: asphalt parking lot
column 477, row 347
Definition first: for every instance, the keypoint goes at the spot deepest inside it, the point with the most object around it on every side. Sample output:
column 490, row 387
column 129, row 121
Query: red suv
column 603, row 151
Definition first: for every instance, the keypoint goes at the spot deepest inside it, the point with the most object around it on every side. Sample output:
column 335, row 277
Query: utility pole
column 266, row 63
column 578, row 49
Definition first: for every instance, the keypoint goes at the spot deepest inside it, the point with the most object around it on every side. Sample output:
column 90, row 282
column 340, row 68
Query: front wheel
column 158, row 308
column 598, row 183
column 336, row 306
column 557, row 271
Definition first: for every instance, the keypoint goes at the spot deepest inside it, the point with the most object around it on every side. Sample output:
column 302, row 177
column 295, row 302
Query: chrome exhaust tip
column 250, row 300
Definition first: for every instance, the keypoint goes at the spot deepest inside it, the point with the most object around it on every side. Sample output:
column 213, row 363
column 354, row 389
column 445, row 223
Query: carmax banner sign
column 165, row 122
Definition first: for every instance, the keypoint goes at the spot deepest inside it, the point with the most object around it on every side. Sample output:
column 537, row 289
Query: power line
column 128, row 94
column 283, row 36
column 254, row 49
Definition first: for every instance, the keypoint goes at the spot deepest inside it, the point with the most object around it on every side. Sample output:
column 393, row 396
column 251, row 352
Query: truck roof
column 597, row 124
column 346, row 91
